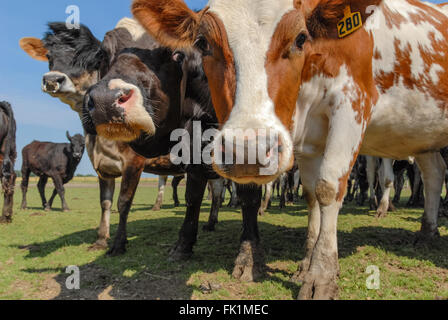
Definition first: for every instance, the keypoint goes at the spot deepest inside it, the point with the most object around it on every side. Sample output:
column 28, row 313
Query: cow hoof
column 48, row 209
column 249, row 265
column 261, row 212
column 209, row 227
column 66, row 210
column 156, row 208
column 176, row 204
column 117, row 250
column 319, row 289
column 299, row 276
column 179, row 254
column 380, row 214
column 5, row 220
column 392, row 207
column 426, row 238
column 99, row 246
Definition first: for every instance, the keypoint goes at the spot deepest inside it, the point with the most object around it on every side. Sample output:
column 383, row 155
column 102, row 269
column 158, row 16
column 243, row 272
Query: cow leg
column 24, row 185
column 350, row 186
column 296, row 186
column 183, row 249
column 159, row 201
column 234, row 201
column 432, row 168
column 371, row 173
column 413, row 200
column 249, row 264
column 308, row 168
column 53, row 196
column 216, row 189
column 107, row 188
column 8, row 185
column 320, row 281
column 446, row 187
column 129, row 182
column 398, row 186
column 61, row 192
column 41, row 187
column 283, row 185
column 386, row 177
column 290, row 186
column 175, row 184
column 267, row 198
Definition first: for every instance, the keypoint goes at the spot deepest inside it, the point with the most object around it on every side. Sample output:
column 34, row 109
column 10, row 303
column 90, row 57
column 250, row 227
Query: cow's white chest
column 322, row 101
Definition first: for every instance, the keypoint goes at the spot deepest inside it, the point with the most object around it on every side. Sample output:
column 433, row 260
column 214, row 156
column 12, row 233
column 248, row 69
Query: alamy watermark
column 73, row 21
column 373, row 281
column 228, row 147
column 73, row 282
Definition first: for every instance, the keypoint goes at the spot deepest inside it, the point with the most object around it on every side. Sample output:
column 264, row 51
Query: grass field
column 36, row 249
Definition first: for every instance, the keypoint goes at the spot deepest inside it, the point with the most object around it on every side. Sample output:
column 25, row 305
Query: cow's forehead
column 250, row 21
column 250, row 26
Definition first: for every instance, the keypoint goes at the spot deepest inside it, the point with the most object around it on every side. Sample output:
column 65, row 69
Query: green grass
column 38, row 246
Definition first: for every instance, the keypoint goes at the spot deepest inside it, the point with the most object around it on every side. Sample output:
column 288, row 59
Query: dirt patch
column 49, row 289
column 99, row 284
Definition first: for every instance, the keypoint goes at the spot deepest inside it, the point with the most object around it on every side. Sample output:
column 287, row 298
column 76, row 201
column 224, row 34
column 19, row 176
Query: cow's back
column 410, row 66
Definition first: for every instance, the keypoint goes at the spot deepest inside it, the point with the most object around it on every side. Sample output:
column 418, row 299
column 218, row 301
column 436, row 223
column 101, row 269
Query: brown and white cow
column 288, row 66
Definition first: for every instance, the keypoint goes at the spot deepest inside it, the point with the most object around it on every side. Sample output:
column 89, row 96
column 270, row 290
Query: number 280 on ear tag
column 350, row 23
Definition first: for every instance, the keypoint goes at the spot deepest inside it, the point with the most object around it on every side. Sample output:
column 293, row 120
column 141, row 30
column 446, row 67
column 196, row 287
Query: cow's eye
column 300, row 40
column 203, row 46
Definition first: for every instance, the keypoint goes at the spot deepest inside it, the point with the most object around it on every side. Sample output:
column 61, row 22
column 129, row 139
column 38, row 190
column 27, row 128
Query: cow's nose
column 123, row 97
column 250, row 150
column 254, row 156
column 53, row 82
column 102, row 103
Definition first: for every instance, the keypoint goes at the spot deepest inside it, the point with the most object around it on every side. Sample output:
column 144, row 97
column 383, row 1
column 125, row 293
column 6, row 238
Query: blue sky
column 39, row 116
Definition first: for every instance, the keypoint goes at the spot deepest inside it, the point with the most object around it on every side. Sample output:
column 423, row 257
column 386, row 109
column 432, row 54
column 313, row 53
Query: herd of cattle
column 282, row 66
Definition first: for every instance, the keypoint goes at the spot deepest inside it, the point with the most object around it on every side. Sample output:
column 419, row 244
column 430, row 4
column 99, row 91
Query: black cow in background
column 8, row 157
column 57, row 161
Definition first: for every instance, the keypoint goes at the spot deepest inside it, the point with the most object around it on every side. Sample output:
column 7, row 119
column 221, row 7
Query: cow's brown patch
column 219, row 66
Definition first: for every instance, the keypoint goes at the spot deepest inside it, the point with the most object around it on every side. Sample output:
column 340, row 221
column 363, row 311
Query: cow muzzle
column 117, row 111
column 258, row 157
column 57, row 83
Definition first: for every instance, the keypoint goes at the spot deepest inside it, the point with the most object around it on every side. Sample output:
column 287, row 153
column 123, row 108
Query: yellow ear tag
column 350, row 23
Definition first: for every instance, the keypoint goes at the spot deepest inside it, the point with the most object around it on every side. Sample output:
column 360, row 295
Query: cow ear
column 35, row 48
column 328, row 18
column 171, row 22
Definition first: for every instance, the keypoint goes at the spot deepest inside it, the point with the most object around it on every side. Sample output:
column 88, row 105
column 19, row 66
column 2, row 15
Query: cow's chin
column 244, row 174
column 128, row 130
column 252, row 173
column 118, row 132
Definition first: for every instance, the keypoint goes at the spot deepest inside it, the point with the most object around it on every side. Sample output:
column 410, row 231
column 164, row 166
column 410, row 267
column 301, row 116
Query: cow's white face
column 250, row 26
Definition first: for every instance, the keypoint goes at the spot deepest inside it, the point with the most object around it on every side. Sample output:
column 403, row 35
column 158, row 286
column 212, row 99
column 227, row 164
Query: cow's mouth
column 118, row 132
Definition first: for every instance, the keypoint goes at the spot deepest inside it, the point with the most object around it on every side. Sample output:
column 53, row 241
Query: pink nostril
column 125, row 97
